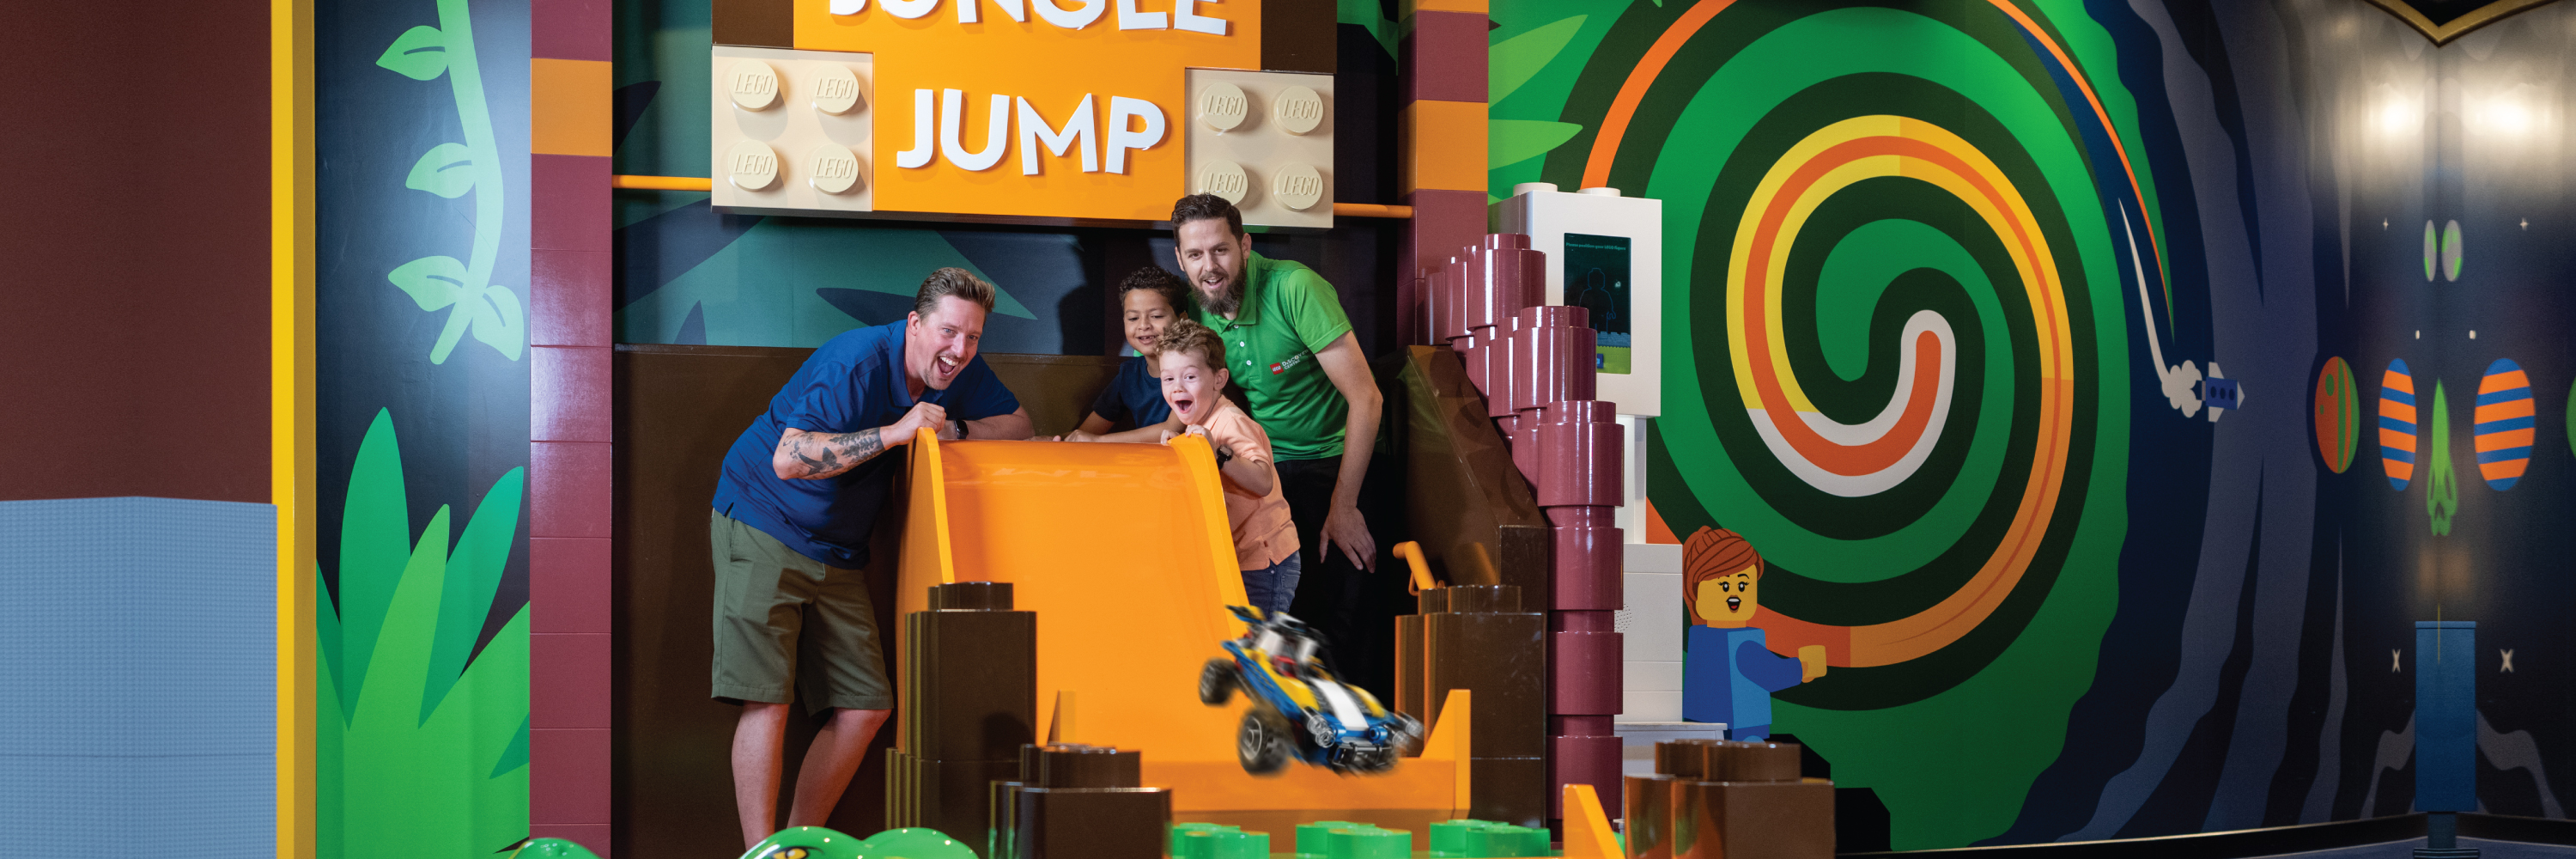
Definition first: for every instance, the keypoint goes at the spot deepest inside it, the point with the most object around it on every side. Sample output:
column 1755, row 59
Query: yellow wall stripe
column 290, row 427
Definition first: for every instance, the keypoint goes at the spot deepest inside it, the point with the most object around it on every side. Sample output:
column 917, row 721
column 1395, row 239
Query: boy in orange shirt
column 1265, row 541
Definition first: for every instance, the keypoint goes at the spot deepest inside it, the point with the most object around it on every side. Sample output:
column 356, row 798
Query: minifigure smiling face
column 1729, row 600
column 1721, row 578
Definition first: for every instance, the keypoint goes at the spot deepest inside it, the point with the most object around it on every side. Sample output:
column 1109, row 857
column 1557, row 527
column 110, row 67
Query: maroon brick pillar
column 1441, row 149
column 568, row 464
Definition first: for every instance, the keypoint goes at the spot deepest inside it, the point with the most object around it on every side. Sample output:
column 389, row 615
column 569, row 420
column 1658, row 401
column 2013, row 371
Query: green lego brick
column 1369, row 843
column 1311, row 837
column 1226, row 843
column 1182, row 829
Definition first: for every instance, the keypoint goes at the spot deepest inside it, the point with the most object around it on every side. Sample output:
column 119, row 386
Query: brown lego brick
column 1408, row 661
column 1649, row 819
column 896, row 794
column 1431, row 601
column 1089, row 766
column 1001, row 822
column 1442, row 57
column 1298, row 37
column 1585, row 672
column 1509, row 789
column 1526, row 563
column 1757, row 761
column 972, row 679
column 1029, row 763
column 955, row 797
column 1687, row 759
column 1583, row 760
column 971, row 596
column 1477, row 599
column 757, row 23
column 1082, row 823
column 1586, row 565
column 1502, row 659
column 1739, row 820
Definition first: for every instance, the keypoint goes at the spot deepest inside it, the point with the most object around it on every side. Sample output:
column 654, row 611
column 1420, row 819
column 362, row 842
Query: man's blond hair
column 952, row 282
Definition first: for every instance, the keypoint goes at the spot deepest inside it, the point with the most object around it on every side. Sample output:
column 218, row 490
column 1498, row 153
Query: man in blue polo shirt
column 797, row 497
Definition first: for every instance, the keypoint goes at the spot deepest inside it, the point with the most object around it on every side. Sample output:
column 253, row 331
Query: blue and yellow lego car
column 1298, row 709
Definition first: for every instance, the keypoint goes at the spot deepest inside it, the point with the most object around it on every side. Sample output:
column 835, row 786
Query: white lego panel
column 1631, row 513
column 1265, row 141
column 1650, row 707
column 1654, row 558
column 793, row 150
column 1547, row 215
column 1651, row 625
column 1640, row 676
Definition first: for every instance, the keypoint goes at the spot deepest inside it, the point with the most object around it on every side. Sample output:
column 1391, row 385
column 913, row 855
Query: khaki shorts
column 764, row 593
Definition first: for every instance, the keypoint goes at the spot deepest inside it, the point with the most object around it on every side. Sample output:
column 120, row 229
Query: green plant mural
column 419, row 750
column 450, row 170
column 2442, row 490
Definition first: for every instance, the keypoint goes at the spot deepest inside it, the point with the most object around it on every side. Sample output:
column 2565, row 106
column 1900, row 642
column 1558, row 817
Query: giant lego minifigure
column 1728, row 672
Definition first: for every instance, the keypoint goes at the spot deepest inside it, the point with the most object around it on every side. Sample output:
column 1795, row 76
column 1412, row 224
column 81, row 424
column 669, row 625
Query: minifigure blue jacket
column 1728, row 675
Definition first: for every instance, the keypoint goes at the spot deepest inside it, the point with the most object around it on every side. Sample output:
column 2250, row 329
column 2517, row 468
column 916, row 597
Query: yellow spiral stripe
column 1827, row 161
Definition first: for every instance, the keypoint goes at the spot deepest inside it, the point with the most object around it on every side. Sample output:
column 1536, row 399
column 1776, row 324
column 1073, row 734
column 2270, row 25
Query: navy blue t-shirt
column 854, row 382
column 1133, row 395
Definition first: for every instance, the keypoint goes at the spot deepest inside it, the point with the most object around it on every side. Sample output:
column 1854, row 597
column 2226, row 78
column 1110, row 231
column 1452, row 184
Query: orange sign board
column 1033, row 108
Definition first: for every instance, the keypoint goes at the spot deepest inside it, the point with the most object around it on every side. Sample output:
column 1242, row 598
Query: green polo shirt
column 1289, row 313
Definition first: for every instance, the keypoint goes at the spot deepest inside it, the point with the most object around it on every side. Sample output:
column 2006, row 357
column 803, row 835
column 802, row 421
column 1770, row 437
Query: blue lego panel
column 2446, row 716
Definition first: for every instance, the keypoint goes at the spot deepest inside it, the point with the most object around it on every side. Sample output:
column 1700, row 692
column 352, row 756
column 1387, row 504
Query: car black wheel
column 1216, row 682
column 1262, row 743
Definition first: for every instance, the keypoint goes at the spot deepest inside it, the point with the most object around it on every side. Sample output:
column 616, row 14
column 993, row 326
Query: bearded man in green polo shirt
column 1292, row 352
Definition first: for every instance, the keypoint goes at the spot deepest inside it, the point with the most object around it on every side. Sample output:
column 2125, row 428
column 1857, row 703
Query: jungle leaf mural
column 442, row 742
column 491, row 311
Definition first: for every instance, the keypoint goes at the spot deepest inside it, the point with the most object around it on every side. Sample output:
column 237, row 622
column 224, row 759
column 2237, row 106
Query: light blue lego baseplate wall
column 138, row 676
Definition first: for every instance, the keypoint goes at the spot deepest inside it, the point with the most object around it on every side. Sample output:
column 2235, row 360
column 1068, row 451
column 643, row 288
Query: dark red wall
column 134, row 250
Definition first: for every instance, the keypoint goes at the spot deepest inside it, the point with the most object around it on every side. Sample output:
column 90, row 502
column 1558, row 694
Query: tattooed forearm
column 813, row 456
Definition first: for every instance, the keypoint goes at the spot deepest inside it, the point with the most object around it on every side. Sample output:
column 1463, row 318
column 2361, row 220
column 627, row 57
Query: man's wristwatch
column 961, row 427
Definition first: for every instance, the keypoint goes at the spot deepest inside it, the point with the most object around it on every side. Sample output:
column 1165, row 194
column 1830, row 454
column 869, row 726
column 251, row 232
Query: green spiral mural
column 1898, row 242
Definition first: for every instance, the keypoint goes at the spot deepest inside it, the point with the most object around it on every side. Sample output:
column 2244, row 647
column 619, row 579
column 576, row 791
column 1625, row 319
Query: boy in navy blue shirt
column 1150, row 299
column 797, row 496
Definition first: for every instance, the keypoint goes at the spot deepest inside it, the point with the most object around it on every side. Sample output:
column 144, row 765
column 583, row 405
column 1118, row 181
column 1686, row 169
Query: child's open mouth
column 1183, row 405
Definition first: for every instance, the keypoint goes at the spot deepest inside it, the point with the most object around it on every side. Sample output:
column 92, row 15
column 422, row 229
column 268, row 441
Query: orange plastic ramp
column 1124, row 553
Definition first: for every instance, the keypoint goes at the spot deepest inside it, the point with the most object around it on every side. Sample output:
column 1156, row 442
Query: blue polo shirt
column 854, row 382
column 1134, row 396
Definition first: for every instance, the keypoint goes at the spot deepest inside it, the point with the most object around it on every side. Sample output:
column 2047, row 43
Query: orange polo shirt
column 1263, row 533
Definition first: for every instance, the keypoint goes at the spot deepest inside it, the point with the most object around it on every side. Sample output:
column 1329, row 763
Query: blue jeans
column 1271, row 588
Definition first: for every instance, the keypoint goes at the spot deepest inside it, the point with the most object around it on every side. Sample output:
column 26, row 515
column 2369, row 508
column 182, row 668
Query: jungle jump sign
column 1010, row 109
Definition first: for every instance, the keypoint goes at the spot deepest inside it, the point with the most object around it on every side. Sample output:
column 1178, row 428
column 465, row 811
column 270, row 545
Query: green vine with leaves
column 449, row 170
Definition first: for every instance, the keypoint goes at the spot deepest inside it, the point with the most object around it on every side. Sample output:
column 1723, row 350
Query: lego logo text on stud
column 1298, row 110
column 752, row 84
column 1224, row 179
column 1297, row 186
column 835, row 170
column 836, row 90
column 1222, row 106
column 751, row 165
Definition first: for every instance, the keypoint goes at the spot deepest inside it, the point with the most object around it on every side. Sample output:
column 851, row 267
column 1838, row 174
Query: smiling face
column 1728, row 600
column 1191, row 387
column 1146, row 314
column 1213, row 256
column 937, row 346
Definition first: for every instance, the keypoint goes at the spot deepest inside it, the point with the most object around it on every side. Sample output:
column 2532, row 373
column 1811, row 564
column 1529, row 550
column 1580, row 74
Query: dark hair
column 1154, row 279
column 948, row 282
column 1186, row 335
column 1202, row 207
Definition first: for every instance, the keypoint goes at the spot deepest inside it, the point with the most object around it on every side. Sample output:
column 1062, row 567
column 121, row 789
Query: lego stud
column 836, row 91
column 835, row 170
column 1224, row 179
column 1222, row 106
column 751, row 165
column 1298, row 109
column 1297, row 186
column 753, row 84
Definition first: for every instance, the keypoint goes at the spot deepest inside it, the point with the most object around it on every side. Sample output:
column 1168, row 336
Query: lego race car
column 1298, row 709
